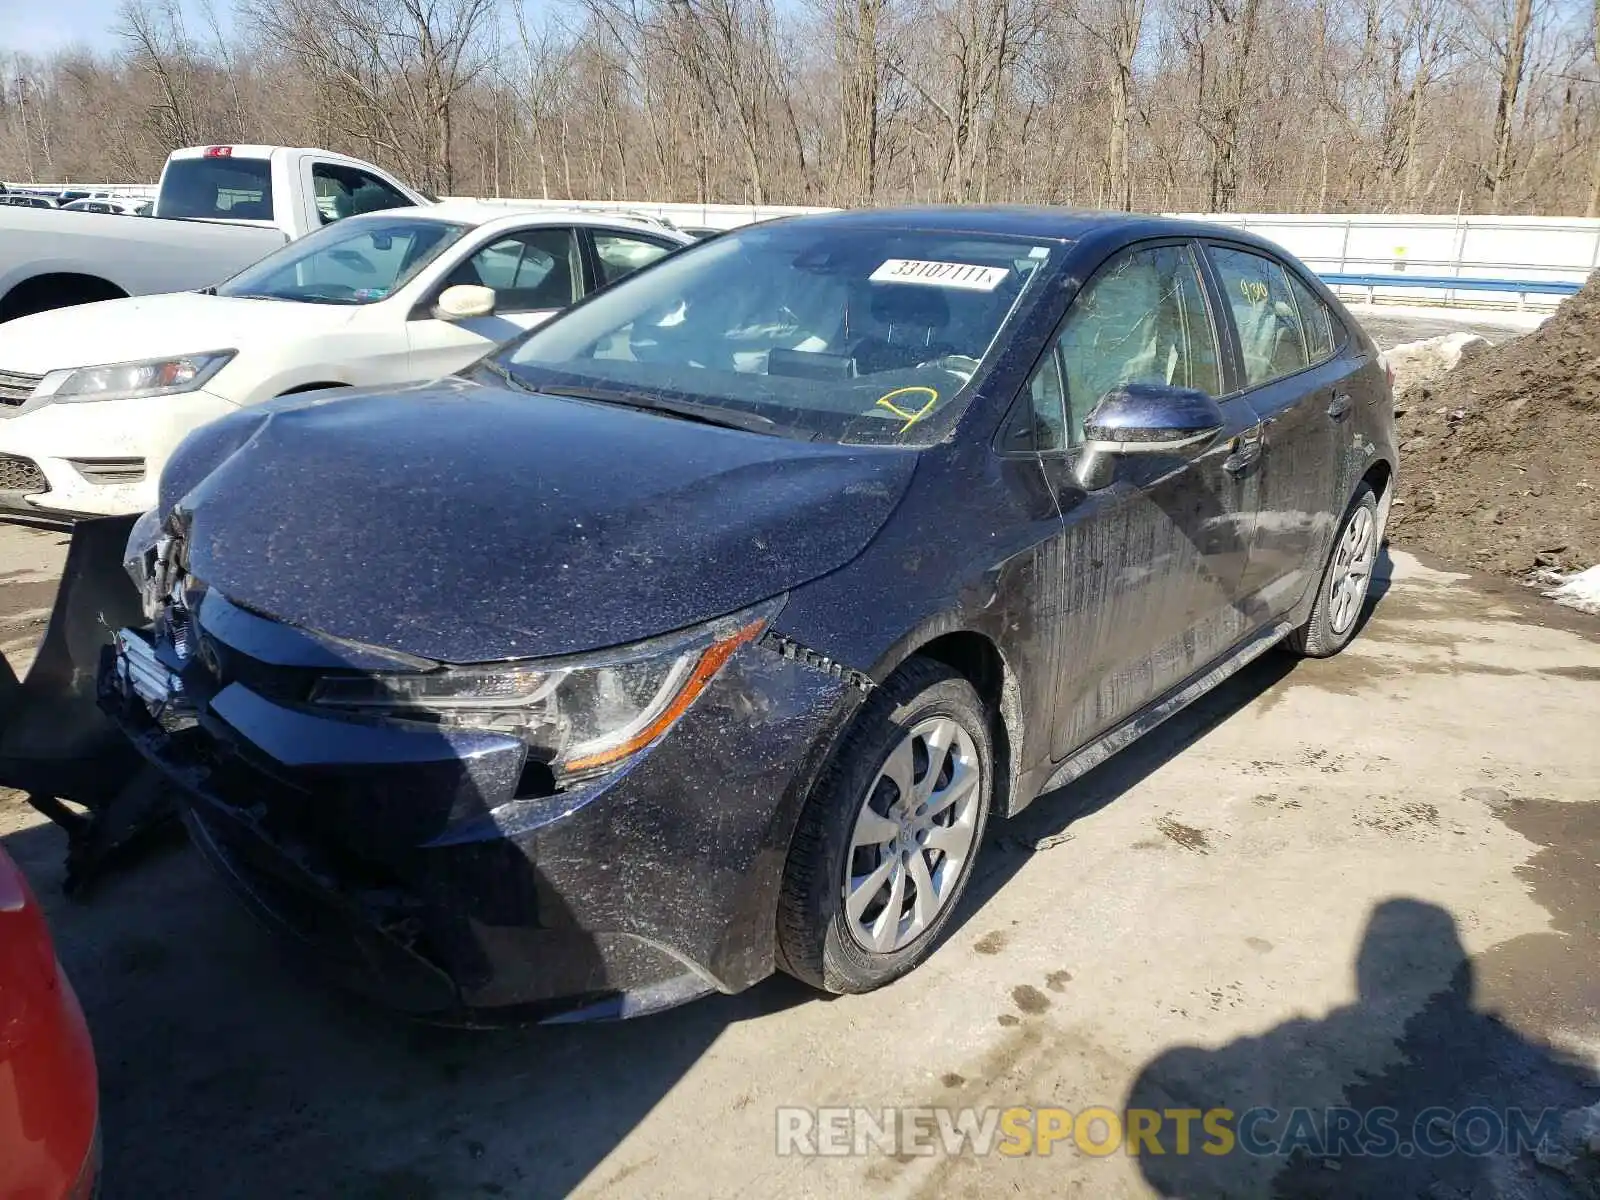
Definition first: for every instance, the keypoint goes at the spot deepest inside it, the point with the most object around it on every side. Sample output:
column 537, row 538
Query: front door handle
column 1246, row 451
column 1340, row 405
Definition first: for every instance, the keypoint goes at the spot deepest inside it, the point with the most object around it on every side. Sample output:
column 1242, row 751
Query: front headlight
column 581, row 716
column 125, row 381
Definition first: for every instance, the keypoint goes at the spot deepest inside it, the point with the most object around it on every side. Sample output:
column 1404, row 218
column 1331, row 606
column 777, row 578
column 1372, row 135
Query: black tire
column 815, row 944
column 1318, row 638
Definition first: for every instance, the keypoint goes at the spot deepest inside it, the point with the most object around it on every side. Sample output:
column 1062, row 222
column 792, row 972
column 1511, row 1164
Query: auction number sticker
column 967, row 276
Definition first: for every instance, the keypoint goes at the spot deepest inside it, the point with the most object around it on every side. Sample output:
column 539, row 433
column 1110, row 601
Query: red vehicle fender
column 49, row 1102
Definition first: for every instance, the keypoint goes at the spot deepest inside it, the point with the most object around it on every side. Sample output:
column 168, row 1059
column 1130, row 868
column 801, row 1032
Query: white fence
column 1523, row 249
column 1531, row 249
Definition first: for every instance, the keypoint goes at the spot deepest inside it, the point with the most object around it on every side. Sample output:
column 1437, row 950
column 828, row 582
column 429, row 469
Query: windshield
column 356, row 261
column 858, row 335
column 221, row 189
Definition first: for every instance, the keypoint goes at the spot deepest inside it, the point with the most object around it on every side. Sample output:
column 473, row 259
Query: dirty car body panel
column 319, row 563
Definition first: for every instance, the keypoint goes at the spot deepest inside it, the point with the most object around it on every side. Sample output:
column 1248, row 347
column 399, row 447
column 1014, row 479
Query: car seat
column 340, row 206
column 1271, row 338
column 913, row 317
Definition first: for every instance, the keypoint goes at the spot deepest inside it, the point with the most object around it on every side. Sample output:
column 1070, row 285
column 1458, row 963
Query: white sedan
column 110, row 204
column 93, row 399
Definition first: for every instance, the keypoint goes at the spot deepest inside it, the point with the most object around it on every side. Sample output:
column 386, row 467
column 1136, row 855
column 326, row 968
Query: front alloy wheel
column 887, row 839
column 913, row 837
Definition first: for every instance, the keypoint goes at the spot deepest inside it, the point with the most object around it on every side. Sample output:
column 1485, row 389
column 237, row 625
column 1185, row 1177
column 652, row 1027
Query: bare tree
column 1506, row 26
column 1332, row 105
column 159, row 46
column 1593, row 208
column 858, row 29
column 400, row 66
column 1119, row 30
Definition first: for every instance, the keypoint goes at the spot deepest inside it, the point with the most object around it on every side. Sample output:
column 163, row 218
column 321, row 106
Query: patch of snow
column 1423, row 362
column 1580, row 591
column 1503, row 318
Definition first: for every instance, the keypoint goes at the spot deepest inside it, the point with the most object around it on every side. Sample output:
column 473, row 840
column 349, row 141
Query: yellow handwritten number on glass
column 911, row 416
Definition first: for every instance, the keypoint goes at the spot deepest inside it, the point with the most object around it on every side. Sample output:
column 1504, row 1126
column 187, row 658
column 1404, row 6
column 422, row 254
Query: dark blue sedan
column 700, row 632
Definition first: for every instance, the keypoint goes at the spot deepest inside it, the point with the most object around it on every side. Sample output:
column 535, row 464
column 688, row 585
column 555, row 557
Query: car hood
column 464, row 522
column 144, row 327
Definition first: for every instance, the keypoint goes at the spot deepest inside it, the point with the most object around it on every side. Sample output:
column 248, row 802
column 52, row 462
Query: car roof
column 1022, row 220
column 482, row 212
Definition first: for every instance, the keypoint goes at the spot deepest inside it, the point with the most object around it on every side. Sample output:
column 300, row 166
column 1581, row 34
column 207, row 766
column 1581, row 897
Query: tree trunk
column 1593, row 209
column 1506, row 105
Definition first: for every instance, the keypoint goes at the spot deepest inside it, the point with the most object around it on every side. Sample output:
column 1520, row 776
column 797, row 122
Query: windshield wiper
column 688, row 410
column 495, row 369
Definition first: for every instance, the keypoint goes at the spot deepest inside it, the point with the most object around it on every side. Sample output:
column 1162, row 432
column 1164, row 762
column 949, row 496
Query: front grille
column 15, row 388
column 21, row 475
column 225, row 665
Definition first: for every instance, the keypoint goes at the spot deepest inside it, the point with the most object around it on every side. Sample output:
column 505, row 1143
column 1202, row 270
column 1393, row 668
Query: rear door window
column 1315, row 319
column 1272, row 336
column 219, row 189
column 620, row 254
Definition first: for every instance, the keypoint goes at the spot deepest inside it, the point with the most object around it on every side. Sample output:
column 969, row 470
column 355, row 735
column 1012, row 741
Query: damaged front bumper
column 407, row 862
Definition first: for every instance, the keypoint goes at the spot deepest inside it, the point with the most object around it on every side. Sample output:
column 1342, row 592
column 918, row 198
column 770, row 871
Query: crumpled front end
column 444, row 870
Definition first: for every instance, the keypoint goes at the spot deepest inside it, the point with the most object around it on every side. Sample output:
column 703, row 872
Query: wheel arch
column 977, row 657
column 56, row 289
column 1380, row 478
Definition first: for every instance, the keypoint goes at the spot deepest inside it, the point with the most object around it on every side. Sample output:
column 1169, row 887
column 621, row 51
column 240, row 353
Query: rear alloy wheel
column 1345, row 581
column 888, row 837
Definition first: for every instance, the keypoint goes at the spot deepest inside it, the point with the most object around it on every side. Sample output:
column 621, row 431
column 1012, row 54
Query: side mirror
column 463, row 301
column 1145, row 418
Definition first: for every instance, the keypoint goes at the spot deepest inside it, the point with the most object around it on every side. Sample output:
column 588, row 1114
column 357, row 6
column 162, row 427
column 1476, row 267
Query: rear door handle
column 1340, row 405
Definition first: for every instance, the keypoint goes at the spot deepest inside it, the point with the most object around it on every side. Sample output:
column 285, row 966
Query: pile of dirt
column 1500, row 457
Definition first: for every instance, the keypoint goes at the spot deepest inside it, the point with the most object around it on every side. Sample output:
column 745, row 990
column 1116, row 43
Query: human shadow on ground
column 1411, row 1091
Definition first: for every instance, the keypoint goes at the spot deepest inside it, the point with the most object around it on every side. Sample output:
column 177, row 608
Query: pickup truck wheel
column 887, row 839
column 1342, row 591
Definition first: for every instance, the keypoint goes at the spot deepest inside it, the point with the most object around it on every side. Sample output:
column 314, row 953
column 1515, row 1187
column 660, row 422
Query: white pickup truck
column 217, row 210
